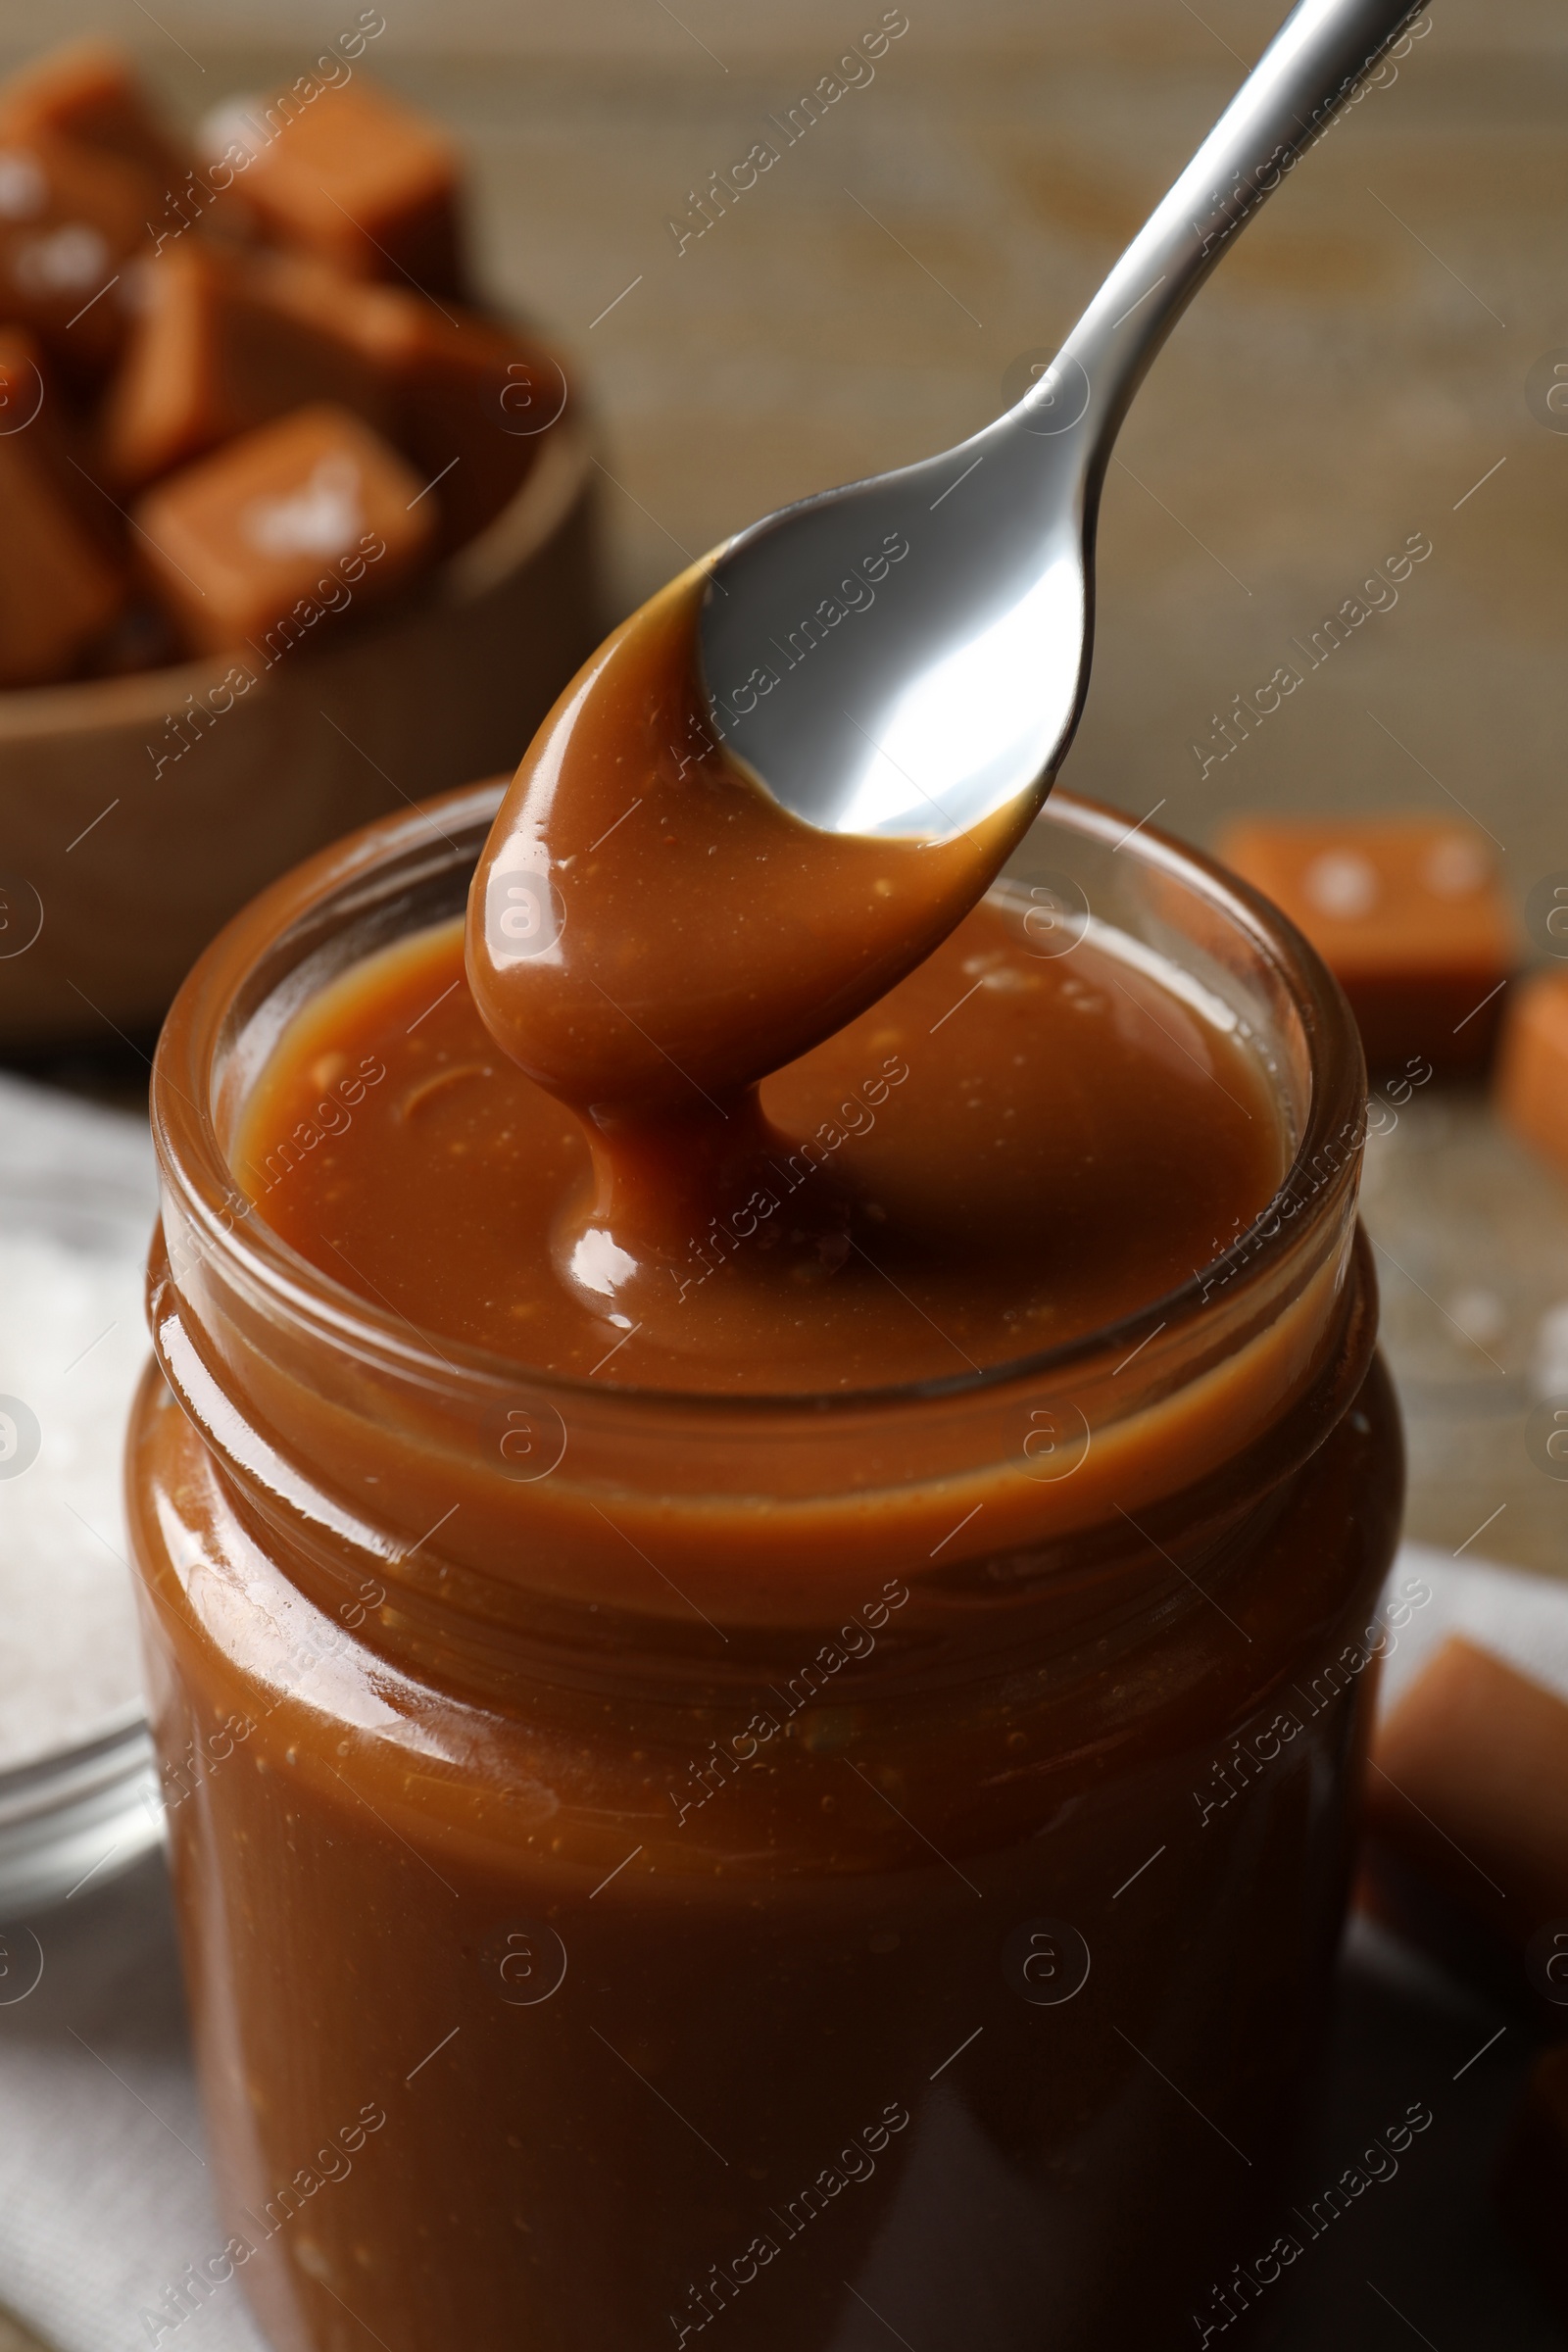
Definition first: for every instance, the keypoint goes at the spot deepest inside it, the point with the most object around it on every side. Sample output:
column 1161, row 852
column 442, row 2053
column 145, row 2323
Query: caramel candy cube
column 1407, row 913
column 58, row 589
column 469, row 403
column 1467, row 1807
column 1531, row 1089
column 472, row 405
column 348, row 174
column 282, row 529
column 72, row 218
column 88, row 91
column 219, row 346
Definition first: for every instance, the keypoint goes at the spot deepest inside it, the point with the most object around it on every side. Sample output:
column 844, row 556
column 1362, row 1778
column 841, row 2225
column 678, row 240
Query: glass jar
column 795, row 1868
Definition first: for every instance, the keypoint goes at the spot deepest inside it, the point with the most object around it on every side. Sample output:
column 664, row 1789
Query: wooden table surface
column 1355, row 373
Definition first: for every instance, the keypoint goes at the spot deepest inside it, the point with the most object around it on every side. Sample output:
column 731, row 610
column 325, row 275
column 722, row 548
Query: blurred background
column 1357, row 363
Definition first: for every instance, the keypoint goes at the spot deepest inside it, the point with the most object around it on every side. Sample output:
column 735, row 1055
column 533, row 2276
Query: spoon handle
column 1316, row 61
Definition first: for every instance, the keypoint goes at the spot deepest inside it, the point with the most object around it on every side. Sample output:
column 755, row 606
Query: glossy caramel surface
column 1026, row 1146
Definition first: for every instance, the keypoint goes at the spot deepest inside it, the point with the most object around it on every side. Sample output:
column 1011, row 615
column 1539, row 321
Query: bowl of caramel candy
column 295, row 528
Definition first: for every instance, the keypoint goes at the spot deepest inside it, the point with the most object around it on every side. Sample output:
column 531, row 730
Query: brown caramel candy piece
column 1532, row 2178
column 357, row 179
column 282, row 528
column 220, row 346
column 1467, row 1807
column 88, row 91
column 58, row 589
column 468, row 402
column 1406, row 912
column 72, row 218
column 1532, row 1090
column 472, row 405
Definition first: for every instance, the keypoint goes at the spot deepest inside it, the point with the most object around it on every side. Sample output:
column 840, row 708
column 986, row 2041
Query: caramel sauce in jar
column 829, row 1811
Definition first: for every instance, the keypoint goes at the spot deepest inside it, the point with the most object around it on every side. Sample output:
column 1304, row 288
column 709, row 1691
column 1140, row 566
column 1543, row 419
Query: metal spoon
column 910, row 654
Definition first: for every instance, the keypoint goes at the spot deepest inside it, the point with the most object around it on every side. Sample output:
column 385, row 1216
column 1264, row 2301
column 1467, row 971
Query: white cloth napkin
column 103, row 2183
column 78, row 1198
column 104, row 2190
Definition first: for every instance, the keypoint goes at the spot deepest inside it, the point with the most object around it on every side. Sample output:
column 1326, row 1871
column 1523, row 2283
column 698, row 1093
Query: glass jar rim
column 193, row 1163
